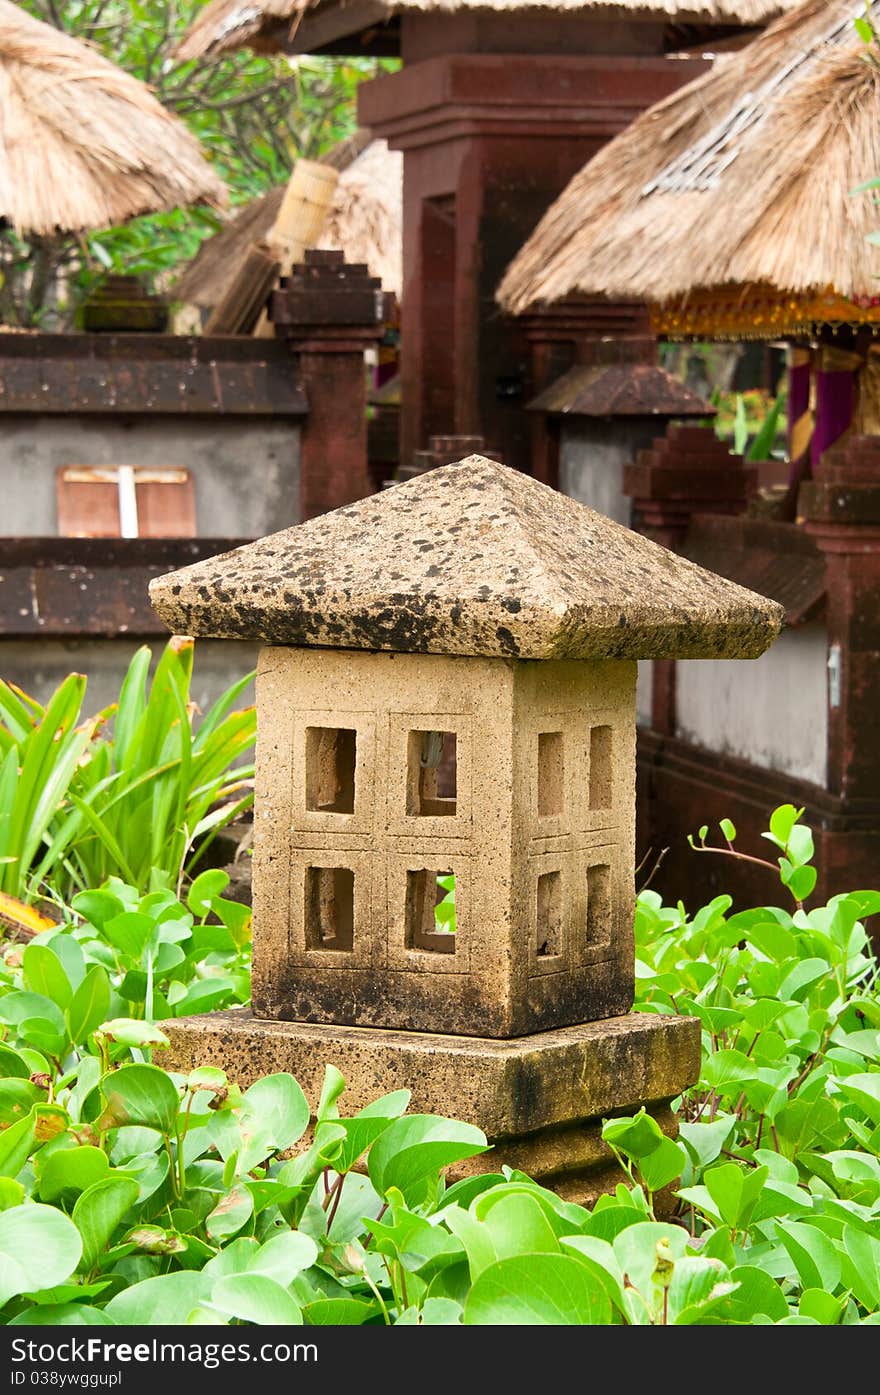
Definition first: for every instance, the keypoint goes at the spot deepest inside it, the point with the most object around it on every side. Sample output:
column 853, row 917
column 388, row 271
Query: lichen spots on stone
column 472, row 558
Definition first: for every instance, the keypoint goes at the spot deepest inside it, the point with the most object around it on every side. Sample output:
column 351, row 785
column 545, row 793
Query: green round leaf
column 16, row 1143
column 98, row 1212
column 12, row 1065
column 131, row 932
column 229, row 1215
column 89, row 1005
column 417, row 1146
column 20, row 1007
column 801, row 881
column 662, row 1166
column 139, row 1094
column 129, row 1031
column 70, row 1170
column 11, row 1193
column 165, row 1300
column 43, row 973
column 279, row 1107
column 284, row 1256
column 207, row 1078
column 636, row 1137
column 339, row 1312
column 43, row 1033
column 816, row 1257
column 234, row 1258
column 360, row 1134
column 257, row 1299
column 97, row 907
column 782, row 821
column 17, row 1099
column 39, row 1247
column 517, row 1225
column 636, row 1251
column 205, row 887
column 698, row 1288
column 62, row 1315
column 70, row 952
column 538, row 1290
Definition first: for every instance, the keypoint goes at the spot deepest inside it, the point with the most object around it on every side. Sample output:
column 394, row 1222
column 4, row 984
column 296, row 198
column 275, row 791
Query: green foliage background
column 130, row 1194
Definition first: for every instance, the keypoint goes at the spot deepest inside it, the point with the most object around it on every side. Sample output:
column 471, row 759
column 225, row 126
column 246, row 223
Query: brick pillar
column 687, row 471
column 489, row 140
column 842, row 508
column 331, row 311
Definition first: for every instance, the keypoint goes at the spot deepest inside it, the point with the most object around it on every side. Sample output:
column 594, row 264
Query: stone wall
column 591, row 460
column 229, row 410
column 644, row 693
column 772, row 711
column 246, row 471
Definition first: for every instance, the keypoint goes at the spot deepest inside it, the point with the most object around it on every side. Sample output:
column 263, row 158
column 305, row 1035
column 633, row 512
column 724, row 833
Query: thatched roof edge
column 793, row 120
column 84, row 144
column 270, row 25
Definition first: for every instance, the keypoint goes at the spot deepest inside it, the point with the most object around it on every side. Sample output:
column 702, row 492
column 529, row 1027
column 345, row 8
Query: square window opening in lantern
column 331, row 758
column 598, row 905
column 548, row 916
column 551, row 774
column 432, row 774
column 430, row 911
column 600, row 768
column 329, row 908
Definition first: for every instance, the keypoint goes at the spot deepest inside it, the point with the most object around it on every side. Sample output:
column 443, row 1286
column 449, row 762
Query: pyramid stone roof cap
column 471, row 558
column 620, row 390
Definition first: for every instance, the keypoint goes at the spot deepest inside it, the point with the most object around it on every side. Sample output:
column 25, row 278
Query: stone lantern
column 446, row 697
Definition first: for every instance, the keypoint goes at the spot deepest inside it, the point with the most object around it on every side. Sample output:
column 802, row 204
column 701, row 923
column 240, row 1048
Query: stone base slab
column 539, row 1099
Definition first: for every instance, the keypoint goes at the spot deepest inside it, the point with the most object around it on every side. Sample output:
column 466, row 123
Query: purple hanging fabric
column 800, row 425
column 835, row 399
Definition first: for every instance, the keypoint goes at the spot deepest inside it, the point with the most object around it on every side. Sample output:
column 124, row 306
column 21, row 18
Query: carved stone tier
column 687, row 471
column 540, row 1100
column 330, row 311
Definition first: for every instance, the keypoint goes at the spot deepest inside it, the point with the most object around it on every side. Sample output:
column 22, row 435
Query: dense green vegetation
column 136, row 791
column 131, row 1194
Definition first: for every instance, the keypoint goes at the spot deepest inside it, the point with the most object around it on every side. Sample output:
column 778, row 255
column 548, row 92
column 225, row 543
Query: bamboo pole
column 299, row 221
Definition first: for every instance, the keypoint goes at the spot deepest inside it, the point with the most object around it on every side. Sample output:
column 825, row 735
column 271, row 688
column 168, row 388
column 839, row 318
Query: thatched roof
column 365, row 222
column 82, row 143
column 271, row 25
column 741, row 177
column 366, row 215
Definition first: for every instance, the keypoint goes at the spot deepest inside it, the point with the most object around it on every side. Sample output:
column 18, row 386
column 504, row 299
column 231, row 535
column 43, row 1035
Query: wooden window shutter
column 87, row 508
column 125, row 501
column 166, row 507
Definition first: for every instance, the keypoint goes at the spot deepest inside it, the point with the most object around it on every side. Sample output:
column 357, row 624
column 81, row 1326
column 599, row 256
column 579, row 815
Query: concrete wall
column 772, row 711
column 39, row 666
column 246, row 471
column 592, row 455
column 644, row 693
